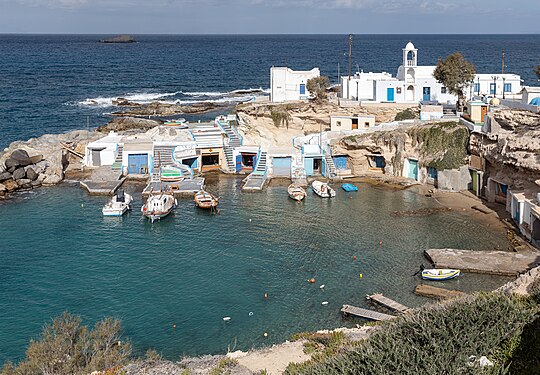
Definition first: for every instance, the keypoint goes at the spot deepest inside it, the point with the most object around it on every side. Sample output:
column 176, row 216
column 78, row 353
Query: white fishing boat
column 118, row 205
column 296, row 192
column 323, row 190
column 437, row 274
column 159, row 205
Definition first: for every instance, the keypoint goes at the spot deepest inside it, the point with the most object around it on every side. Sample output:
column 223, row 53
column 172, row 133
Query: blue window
column 477, row 87
column 507, row 87
column 492, row 88
column 302, row 89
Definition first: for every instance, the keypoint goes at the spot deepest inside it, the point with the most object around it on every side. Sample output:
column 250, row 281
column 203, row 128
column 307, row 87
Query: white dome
column 409, row 46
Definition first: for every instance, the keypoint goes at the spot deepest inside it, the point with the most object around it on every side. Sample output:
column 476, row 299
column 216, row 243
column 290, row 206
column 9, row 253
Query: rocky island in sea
column 119, row 39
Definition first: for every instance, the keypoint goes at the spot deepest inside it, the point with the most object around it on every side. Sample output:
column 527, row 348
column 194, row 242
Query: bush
column 407, row 114
column 437, row 339
column 67, row 347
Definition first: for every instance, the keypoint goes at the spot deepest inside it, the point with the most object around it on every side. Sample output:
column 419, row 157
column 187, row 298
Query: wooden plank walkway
column 388, row 303
column 364, row 313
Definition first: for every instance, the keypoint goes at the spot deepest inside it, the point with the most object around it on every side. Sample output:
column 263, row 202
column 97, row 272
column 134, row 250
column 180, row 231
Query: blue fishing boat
column 349, row 187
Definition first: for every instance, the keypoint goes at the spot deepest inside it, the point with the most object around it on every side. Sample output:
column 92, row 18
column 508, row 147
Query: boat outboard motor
column 120, row 196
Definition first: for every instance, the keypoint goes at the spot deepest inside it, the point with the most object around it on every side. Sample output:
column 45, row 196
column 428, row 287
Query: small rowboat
column 323, row 190
column 205, row 200
column 296, row 192
column 439, row 274
column 349, row 187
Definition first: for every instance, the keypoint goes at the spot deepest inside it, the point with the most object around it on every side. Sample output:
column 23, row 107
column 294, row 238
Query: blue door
column 281, row 166
column 413, row 169
column 426, row 94
column 238, row 162
column 390, row 94
column 138, row 163
column 302, row 89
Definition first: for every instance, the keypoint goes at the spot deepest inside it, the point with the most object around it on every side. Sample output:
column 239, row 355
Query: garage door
column 281, row 166
column 138, row 163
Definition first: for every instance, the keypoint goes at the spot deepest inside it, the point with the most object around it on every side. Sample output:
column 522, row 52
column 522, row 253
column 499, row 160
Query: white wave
column 141, row 98
column 228, row 93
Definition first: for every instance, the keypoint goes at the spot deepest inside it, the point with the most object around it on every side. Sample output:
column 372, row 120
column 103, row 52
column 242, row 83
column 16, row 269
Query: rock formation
column 124, row 124
column 157, row 109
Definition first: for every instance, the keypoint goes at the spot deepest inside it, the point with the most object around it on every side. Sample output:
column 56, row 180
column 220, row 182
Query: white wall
column 485, row 81
column 285, row 83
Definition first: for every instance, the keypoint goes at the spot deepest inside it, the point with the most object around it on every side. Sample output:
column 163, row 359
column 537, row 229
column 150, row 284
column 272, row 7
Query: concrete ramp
column 490, row 262
column 103, row 181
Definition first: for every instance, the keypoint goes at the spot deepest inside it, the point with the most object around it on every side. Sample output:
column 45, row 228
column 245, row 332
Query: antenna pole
column 349, row 70
column 340, row 94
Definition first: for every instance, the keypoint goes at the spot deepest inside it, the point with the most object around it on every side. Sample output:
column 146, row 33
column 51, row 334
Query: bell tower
column 410, row 56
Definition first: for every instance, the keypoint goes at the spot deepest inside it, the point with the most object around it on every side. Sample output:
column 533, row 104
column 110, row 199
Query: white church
column 415, row 83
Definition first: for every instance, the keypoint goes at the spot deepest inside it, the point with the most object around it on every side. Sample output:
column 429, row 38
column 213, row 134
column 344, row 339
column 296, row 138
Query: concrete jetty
column 103, row 181
column 434, row 292
column 489, row 262
column 180, row 189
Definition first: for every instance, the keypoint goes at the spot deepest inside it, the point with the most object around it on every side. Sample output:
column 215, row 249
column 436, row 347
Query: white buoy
column 324, row 303
column 251, row 313
column 227, row 318
column 322, row 286
column 250, row 220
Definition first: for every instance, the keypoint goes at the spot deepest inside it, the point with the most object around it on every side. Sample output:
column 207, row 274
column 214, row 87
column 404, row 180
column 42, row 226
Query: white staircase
column 330, row 166
column 234, row 139
column 163, row 156
column 231, row 165
column 260, row 169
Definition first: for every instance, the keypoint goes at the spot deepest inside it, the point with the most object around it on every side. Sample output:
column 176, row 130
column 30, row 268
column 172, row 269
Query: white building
column 289, row 85
column 415, row 83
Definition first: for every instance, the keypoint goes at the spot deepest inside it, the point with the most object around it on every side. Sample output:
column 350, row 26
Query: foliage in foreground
column 406, row 114
column 456, row 74
column 438, row 339
column 68, row 347
column 537, row 71
column 317, row 87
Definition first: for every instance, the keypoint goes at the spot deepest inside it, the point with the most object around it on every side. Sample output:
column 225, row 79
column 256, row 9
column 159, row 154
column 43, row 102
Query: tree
column 537, row 71
column 456, row 74
column 317, row 87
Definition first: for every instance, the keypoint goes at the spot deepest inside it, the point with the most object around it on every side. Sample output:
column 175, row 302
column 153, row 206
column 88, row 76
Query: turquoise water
column 192, row 269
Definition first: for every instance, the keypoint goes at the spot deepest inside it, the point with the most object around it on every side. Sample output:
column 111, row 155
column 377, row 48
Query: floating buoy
column 265, row 334
column 312, row 280
column 250, row 313
column 361, row 275
column 324, row 303
column 82, row 204
column 322, row 286
column 227, row 318
column 380, row 242
column 174, row 326
column 250, row 220
column 265, row 295
column 354, row 257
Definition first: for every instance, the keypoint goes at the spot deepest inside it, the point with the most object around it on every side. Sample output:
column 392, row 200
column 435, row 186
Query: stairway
column 117, row 165
column 260, row 170
column 163, row 156
column 234, row 139
column 330, row 166
column 230, row 159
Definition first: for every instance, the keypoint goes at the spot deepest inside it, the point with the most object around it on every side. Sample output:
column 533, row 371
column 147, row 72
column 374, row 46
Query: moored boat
column 296, row 192
column 159, row 205
column 206, row 200
column 323, row 190
column 349, row 187
column 118, row 205
column 437, row 274
column 170, row 174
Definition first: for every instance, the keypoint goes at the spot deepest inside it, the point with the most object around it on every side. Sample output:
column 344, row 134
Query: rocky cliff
column 271, row 124
column 439, row 145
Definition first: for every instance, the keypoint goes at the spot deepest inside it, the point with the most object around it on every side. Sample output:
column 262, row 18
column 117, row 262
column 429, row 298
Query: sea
column 57, row 252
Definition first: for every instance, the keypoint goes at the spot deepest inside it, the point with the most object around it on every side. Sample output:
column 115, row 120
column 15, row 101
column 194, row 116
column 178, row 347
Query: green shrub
column 437, row 339
column 67, row 347
column 281, row 116
column 406, row 114
column 224, row 366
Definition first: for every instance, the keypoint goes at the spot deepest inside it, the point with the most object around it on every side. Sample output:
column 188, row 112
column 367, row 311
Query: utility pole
column 350, row 63
column 502, row 70
column 340, row 94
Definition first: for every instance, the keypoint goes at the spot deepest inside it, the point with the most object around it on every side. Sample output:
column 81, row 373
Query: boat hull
column 117, row 208
column 296, row 192
column 158, row 206
column 323, row 190
column 440, row 274
column 205, row 200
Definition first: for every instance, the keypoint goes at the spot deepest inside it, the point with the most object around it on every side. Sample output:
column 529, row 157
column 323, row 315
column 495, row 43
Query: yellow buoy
column 361, row 275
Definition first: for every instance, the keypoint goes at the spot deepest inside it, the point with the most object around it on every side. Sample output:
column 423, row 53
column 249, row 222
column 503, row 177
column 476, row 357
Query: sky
column 270, row 16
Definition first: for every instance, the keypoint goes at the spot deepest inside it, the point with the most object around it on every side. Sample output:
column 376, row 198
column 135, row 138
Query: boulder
column 35, row 184
column 11, row 169
column 40, row 167
column 3, row 189
column 19, row 174
column 10, row 163
column 23, row 182
column 41, row 177
column 5, row 176
column 52, row 179
column 19, row 154
column 31, row 174
column 10, row 185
